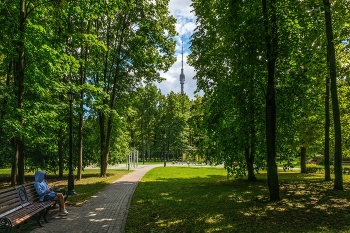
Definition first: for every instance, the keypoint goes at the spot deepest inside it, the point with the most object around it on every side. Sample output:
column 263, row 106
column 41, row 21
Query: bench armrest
column 5, row 223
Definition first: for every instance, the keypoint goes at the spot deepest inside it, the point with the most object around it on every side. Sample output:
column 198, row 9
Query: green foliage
column 102, row 50
column 231, row 70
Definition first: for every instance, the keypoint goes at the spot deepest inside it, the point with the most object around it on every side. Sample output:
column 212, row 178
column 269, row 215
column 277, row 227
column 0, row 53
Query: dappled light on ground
column 211, row 203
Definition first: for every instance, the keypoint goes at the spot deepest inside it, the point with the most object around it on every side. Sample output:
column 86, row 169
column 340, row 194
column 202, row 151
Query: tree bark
column 270, row 24
column 82, row 69
column 149, row 147
column 60, row 131
column 249, row 158
column 338, row 175
column 2, row 114
column 14, row 163
column 60, row 153
column 80, row 132
column 303, row 160
column 19, row 80
column 252, row 133
column 102, row 116
column 102, row 140
column 327, row 173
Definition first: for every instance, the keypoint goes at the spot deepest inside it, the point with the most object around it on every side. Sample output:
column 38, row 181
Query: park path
column 105, row 212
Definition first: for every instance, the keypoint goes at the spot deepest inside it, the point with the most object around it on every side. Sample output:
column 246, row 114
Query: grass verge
column 85, row 188
column 182, row 199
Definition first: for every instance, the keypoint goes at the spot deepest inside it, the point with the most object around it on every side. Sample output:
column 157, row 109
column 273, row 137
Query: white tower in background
column 182, row 75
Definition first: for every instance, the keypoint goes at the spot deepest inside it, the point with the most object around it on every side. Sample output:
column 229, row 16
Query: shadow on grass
column 85, row 188
column 5, row 179
column 215, row 204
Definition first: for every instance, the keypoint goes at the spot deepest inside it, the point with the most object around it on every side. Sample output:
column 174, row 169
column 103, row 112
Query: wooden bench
column 19, row 203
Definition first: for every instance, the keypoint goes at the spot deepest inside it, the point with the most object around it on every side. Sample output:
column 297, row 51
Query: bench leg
column 45, row 212
column 38, row 222
column 39, row 217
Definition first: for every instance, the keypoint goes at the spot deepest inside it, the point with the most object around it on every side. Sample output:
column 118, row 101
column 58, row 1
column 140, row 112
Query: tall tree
column 19, row 82
column 269, row 12
column 338, row 181
column 136, row 48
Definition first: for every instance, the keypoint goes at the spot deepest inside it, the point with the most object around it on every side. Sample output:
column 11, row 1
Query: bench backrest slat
column 9, row 200
column 31, row 192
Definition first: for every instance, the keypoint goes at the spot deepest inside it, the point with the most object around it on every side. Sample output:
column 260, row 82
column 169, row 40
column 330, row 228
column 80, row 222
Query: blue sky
column 185, row 26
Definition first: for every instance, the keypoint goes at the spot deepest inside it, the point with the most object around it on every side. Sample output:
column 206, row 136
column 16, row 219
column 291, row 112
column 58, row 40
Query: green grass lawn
column 183, row 199
column 201, row 199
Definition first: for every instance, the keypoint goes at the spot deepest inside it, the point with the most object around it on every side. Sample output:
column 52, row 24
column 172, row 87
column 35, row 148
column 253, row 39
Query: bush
column 314, row 168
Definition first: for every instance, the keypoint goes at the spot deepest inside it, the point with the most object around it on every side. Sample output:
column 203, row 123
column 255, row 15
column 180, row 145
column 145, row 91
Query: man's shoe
column 63, row 213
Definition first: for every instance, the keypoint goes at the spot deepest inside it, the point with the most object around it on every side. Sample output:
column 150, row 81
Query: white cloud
column 181, row 8
column 185, row 28
column 186, row 23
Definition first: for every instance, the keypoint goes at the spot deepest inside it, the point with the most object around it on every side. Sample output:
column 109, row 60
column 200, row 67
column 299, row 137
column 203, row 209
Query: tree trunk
column 270, row 24
column 3, row 112
column 60, row 131
column 327, row 173
column 338, row 175
column 60, row 153
column 82, row 72
column 116, row 76
column 102, row 141
column 60, row 145
column 102, row 116
column 80, row 136
column 250, row 164
column 14, row 167
column 303, row 160
column 148, row 147
column 14, row 163
column 19, row 80
column 252, row 133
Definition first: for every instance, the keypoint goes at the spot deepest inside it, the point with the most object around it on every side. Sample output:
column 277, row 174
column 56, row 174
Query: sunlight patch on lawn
column 247, row 214
column 214, row 219
column 302, row 192
column 227, row 228
column 174, row 222
column 164, row 223
column 161, row 223
column 337, row 202
column 322, row 207
column 299, row 205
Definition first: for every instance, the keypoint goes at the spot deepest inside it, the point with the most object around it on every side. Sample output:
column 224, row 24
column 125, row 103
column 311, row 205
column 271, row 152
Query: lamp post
column 164, row 136
column 71, row 174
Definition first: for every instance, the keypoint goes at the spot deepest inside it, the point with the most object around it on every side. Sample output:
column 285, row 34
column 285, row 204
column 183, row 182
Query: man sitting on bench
column 46, row 193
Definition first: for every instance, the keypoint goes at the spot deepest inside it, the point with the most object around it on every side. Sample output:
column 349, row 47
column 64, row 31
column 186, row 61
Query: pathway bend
column 106, row 212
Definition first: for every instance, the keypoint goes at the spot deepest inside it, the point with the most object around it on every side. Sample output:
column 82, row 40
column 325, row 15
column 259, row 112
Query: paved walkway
column 105, row 212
